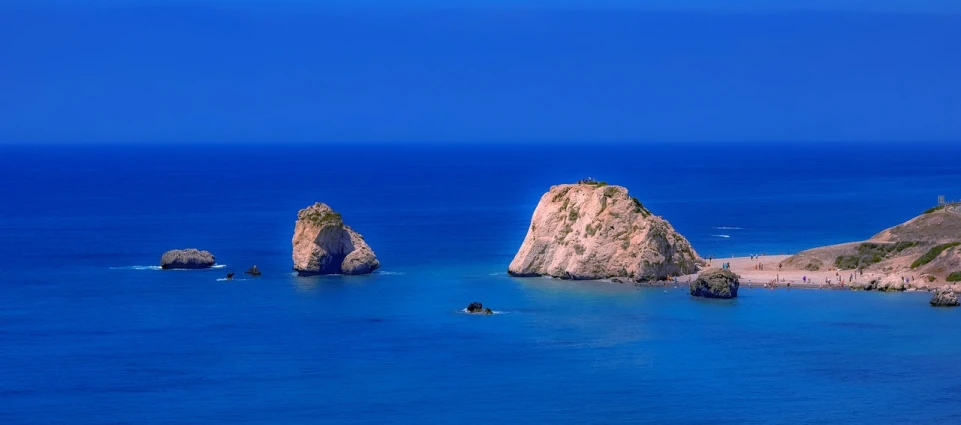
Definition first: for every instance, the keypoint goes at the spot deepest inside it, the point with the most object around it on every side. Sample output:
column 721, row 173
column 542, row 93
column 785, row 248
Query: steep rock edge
column 323, row 244
column 596, row 231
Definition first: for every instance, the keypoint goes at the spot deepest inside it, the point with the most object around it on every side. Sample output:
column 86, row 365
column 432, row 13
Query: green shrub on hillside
column 871, row 253
column 932, row 254
column 954, row 277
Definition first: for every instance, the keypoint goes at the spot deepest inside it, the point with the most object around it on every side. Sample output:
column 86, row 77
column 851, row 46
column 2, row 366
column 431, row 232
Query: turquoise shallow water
column 89, row 333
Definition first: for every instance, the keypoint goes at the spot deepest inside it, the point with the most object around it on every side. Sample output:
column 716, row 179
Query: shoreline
column 762, row 272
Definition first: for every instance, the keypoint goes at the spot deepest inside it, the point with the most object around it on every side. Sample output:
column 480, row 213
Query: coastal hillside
column 926, row 250
column 591, row 230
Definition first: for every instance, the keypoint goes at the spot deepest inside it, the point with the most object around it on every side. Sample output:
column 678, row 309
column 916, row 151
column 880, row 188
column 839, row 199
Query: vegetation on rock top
column 322, row 217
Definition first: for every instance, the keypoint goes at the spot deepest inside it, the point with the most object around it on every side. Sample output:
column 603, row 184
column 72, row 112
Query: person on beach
column 804, row 279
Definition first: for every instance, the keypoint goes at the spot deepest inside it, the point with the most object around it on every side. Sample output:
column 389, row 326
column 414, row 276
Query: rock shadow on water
column 547, row 284
column 718, row 302
column 319, row 281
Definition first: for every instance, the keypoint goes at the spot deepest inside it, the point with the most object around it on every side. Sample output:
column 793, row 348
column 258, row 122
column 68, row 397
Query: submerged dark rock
column 715, row 283
column 187, row 259
column 478, row 308
column 253, row 271
column 230, row 276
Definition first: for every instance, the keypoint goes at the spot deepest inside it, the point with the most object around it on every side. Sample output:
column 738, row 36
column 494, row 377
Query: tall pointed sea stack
column 594, row 231
column 323, row 244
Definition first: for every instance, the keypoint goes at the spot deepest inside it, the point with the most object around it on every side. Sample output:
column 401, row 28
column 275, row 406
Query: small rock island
column 715, row 283
column 478, row 308
column 591, row 230
column 323, row 244
column 187, row 259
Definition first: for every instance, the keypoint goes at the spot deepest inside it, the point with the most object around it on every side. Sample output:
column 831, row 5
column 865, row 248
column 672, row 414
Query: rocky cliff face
column 323, row 244
column 596, row 231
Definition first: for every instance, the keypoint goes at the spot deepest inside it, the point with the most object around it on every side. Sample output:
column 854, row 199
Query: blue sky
column 529, row 70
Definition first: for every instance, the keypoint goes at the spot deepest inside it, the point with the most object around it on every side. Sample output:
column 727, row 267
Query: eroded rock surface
column 715, row 283
column 597, row 231
column 323, row 244
column 944, row 297
column 187, row 259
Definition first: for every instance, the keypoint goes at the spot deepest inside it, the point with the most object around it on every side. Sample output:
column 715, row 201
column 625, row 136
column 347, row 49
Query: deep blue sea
column 92, row 333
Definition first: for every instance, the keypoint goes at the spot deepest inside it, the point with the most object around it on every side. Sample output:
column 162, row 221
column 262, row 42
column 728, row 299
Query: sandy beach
column 764, row 271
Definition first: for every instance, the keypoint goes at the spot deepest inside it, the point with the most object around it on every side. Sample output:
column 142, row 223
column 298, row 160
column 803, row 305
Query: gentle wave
column 386, row 273
column 136, row 268
column 215, row 266
column 223, row 279
column 499, row 274
column 480, row 314
column 728, row 228
column 721, row 236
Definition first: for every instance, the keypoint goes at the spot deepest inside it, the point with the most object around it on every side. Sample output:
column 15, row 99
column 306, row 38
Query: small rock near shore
column 715, row 283
column 944, row 297
column 187, row 259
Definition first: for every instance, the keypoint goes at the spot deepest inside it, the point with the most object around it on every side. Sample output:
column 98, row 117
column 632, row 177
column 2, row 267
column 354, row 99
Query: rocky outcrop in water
column 187, row 259
column 253, row 271
column 323, row 244
column 478, row 308
column 595, row 231
column 944, row 297
column 715, row 283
